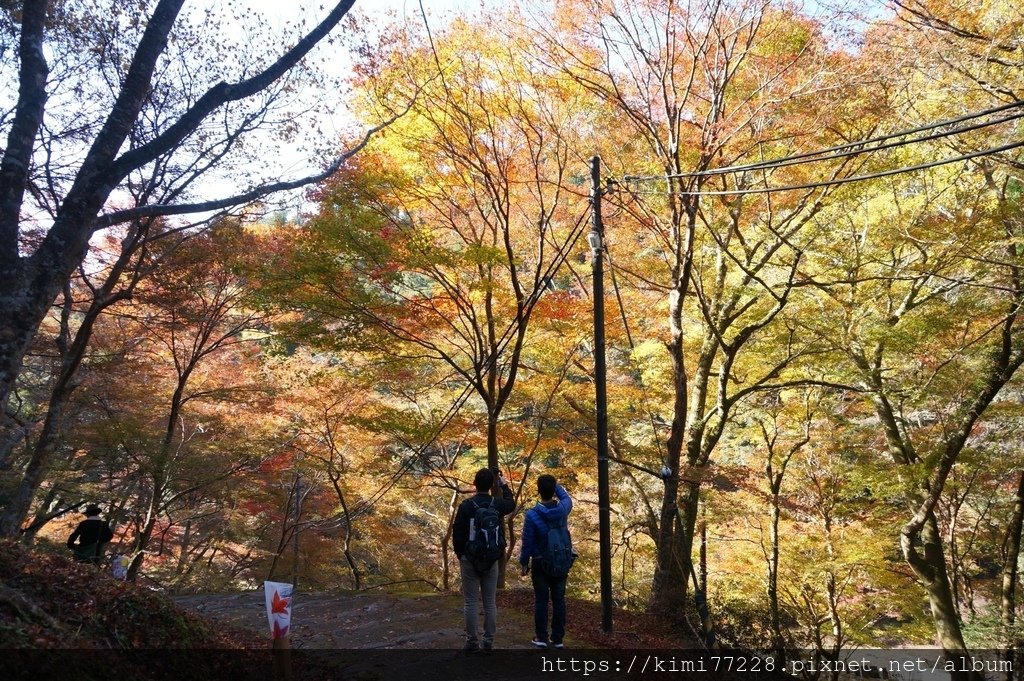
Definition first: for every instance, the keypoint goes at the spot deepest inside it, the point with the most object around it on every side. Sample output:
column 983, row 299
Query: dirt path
column 365, row 620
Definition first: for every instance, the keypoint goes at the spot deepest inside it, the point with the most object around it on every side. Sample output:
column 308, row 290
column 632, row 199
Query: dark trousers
column 88, row 553
column 546, row 588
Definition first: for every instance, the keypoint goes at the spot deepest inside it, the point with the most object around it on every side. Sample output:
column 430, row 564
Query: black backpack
column 558, row 555
column 484, row 545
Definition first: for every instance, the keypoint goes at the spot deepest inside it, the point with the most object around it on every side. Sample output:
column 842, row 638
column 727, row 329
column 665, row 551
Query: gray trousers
column 473, row 585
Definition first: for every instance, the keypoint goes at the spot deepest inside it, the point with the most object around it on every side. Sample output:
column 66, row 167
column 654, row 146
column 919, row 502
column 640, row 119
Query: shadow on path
column 364, row 620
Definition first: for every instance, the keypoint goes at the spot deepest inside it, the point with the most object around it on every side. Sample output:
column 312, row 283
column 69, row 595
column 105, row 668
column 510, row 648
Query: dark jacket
column 539, row 520
column 91, row 532
column 467, row 510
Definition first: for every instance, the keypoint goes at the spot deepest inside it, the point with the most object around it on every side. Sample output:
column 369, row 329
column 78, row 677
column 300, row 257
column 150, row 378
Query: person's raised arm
column 506, row 503
column 564, row 499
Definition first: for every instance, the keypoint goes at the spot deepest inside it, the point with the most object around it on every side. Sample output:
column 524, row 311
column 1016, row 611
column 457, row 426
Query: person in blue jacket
column 553, row 509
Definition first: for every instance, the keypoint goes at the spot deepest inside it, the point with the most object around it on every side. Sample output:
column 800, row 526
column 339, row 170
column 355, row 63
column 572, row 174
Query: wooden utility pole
column 596, row 239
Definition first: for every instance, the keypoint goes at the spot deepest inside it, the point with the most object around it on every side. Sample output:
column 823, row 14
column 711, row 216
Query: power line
column 841, row 180
column 643, row 387
column 853, row 148
column 503, row 341
column 789, row 161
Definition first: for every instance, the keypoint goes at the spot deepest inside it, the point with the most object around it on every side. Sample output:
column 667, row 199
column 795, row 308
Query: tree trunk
column 186, row 539
column 668, row 585
column 335, row 477
column 346, row 549
column 958, row 589
column 446, row 568
column 20, row 502
column 11, row 434
column 832, row 594
column 492, row 439
column 775, row 619
column 707, row 626
column 929, row 567
column 142, row 540
column 675, row 548
column 492, row 463
column 1008, row 590
column 21, row 313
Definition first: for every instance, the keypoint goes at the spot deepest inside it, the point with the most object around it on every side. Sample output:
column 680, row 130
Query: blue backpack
column 558, row 556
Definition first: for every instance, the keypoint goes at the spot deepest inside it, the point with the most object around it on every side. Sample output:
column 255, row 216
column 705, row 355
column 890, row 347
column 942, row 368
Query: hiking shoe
column 539, row 643
column 471, row 647
column 487, row 649
column 558, row 645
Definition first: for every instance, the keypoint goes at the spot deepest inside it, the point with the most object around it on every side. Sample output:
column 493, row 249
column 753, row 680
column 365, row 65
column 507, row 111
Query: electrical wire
column 782, row 163
column 632, row 346
column 836, row 152
column 840, row 180
column 855, row 148
column 504, row 340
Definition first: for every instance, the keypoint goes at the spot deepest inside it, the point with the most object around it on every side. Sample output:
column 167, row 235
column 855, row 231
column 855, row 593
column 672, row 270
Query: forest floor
column 61, row 620
column 362, row 619
column 369, row 619
column 375, row 636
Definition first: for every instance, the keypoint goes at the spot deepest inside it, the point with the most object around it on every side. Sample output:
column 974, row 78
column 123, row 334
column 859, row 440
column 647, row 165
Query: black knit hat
column 92, row 509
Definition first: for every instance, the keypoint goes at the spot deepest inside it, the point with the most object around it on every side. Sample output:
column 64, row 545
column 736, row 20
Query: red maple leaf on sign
column 279, row 631
column 279, row 605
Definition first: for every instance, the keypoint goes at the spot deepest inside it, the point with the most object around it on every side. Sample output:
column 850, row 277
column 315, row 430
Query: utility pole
column 596, row 240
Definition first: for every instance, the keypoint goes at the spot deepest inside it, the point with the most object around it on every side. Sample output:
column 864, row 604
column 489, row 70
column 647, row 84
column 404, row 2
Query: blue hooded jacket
column 535, row 529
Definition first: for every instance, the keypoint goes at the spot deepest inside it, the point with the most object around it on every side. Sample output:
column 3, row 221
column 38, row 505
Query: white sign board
column 279, row 607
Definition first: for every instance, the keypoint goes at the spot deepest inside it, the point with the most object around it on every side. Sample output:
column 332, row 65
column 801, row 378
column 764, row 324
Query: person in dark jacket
column 489, row 487
column 553, row 509
column 89, row 537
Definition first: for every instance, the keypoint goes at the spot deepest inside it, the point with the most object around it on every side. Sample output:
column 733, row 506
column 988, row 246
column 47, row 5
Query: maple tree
column 487, row 212
column 452, row 248
column 930, row 375
column 911, row 364
column 147, row 126
column 125, row 262
column 700, row 88
column 183, row 316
